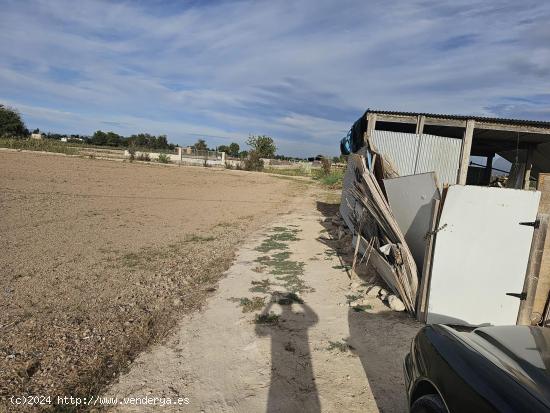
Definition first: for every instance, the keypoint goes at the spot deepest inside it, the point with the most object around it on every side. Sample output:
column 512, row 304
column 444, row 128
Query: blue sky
column 299, row 71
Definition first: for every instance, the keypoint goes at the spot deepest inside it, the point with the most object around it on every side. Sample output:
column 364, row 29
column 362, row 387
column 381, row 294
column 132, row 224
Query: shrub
column 325, row 165
column 143, row 156
column 333, row 180
column 132, row 153
column 253, row 162
column 163, row 158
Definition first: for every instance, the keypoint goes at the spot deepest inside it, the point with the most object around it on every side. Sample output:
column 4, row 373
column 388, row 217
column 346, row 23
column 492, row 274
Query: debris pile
column 377, row 238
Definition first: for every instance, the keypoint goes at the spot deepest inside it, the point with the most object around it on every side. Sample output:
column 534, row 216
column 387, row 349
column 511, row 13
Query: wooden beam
column 543, row 274
column 528, row 166
column 530, row 312
column 466, row 149
column 420, row 124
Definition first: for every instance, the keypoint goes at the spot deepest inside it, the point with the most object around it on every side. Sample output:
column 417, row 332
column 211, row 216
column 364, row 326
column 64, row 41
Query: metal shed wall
column 413, row 154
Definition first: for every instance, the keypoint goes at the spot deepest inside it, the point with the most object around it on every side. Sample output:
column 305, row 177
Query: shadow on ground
column 292, row 387
column 381, row 341
column 381, row 337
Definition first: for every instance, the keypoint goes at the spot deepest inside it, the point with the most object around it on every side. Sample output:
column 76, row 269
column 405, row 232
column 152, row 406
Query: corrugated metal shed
column 413, row 154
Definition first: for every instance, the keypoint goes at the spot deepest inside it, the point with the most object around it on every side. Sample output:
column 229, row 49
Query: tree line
column 140, row 140
column 261, row 146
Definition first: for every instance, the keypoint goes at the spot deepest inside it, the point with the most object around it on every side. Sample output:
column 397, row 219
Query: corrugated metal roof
column 537, row 123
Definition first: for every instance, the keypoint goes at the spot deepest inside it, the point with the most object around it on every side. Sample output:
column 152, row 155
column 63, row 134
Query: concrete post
column 466, row 149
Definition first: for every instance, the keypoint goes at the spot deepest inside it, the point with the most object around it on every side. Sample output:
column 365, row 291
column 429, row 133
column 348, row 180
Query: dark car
column 489, row 369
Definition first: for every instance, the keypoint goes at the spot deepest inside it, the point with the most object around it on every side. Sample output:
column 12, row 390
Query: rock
column 365, row 302
column 395, row 303
column 341, row 233
column 383, row 294
column 373, row 291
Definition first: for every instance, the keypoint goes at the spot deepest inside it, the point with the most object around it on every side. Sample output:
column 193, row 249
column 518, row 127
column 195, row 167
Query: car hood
column 521, row 351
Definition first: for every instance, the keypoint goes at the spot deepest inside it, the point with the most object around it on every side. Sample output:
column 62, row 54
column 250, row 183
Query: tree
column 99, row 138
column 113, row 139
column 263, row 145
column 233, row 149
column 223, row 148
column 253, row 162
column 11, row 123
column 162, row 142
column 200, row 145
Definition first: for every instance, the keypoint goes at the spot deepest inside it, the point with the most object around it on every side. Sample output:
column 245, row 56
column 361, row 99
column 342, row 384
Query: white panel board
column 410, row 199
column 480, row 255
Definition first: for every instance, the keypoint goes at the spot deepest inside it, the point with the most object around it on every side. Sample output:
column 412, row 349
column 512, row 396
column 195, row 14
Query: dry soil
column 99, row 258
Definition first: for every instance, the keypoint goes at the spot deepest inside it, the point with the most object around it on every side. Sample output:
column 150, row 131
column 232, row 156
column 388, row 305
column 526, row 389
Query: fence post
column 525, row 313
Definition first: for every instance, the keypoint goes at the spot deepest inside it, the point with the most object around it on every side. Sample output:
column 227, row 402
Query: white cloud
column 300, row 71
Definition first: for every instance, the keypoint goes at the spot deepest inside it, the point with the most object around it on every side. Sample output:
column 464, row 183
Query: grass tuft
column 249, row 305
column 339, row 345
column 263, row 286
column 198, row 238
column 353, row 297
column 361, row 308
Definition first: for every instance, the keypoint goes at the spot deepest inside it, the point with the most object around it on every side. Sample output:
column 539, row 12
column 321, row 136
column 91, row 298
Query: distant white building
column 36, row 136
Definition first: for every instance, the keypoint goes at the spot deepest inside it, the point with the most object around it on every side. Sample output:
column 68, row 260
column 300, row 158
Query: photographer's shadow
column 292, row 387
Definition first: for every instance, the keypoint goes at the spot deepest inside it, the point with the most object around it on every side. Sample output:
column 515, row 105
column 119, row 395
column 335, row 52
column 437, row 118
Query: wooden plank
column 466, row 149
column 543, row 284
column 526, row 316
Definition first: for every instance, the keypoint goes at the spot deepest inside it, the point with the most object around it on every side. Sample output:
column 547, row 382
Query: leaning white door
column 480, row 254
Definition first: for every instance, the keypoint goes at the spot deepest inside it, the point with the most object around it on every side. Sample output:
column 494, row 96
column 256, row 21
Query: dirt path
column 256, row 348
